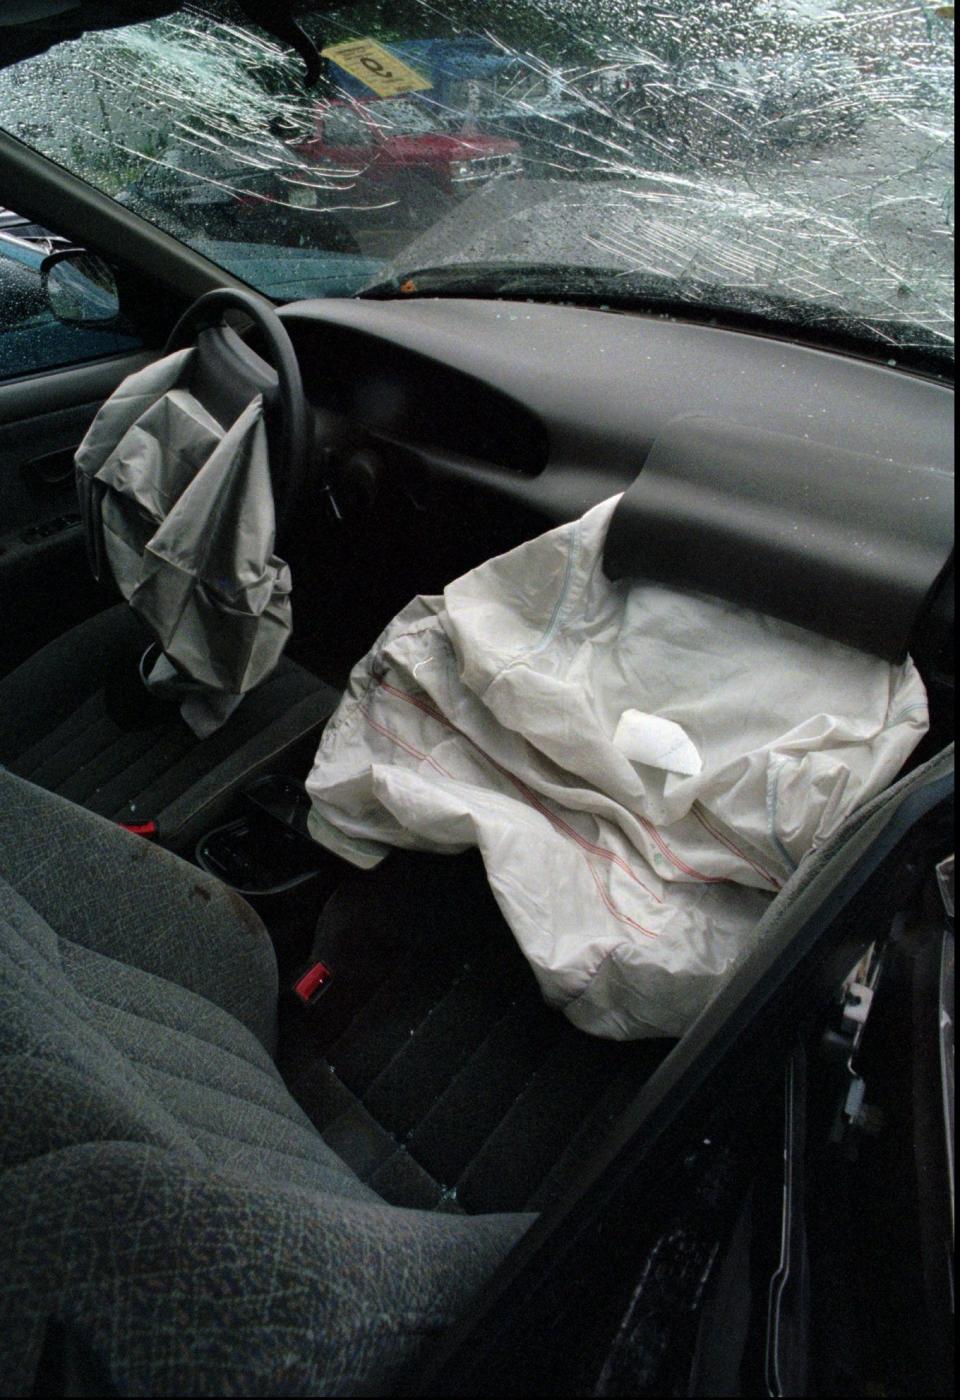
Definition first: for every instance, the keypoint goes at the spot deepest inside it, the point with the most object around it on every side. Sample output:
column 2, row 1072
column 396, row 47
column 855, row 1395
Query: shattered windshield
column 781, row 159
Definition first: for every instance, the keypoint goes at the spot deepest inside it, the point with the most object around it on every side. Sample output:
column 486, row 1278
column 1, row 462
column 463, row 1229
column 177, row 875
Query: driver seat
column 77, row 720
column 170, row 1221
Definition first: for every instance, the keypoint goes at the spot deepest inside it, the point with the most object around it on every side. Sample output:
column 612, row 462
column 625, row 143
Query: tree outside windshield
column 785, row 158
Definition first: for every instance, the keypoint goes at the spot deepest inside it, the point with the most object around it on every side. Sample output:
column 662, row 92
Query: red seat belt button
column 308, row 987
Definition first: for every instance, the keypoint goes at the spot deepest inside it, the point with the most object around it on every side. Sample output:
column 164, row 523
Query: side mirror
column 81, row 289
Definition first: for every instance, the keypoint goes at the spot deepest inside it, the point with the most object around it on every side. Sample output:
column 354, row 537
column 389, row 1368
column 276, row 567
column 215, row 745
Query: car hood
column 439, row 146
column 20, row 250
column 291, row 274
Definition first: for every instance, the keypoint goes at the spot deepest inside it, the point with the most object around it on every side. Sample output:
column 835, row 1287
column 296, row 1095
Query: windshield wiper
column 562, row 281
column 609, row 289
column 746, row 308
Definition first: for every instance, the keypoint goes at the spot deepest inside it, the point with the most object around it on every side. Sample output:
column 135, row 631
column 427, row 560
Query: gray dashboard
column 603, row 385
column 556, row 408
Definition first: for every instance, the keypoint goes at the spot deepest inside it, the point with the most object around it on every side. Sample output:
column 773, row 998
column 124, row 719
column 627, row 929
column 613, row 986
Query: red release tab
column 312, row 983
column 148, row 830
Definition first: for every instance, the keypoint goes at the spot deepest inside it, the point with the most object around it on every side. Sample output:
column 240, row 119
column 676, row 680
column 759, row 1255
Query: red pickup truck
column 393, row 151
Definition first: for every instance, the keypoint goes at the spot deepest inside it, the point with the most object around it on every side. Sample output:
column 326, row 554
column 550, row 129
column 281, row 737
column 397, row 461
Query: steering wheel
column 229, row 374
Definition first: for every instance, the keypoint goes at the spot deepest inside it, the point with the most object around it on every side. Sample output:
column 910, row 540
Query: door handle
column 51, row 470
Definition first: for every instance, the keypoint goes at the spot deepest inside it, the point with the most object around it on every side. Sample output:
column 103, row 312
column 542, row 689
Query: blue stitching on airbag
column 557, row 618
column 773, row 786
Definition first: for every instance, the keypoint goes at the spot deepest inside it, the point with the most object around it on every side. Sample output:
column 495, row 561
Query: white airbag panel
column 658, row 742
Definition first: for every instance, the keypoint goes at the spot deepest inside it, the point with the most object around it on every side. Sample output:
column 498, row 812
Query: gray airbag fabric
column 181, row 511
column 642, row 769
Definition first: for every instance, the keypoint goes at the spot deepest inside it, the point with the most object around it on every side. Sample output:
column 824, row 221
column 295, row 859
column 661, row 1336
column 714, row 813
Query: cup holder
column 268, row 850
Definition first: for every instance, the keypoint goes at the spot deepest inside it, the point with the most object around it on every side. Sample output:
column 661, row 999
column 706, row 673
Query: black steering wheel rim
column 207, row 312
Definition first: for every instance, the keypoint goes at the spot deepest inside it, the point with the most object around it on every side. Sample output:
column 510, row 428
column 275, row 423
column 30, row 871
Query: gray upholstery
column 162, row 1196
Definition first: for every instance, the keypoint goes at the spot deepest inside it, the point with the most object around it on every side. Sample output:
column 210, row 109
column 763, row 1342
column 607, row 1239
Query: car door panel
column 45, row 583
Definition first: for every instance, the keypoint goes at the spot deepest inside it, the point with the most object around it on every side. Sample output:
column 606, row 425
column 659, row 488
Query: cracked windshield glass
column 789, row 160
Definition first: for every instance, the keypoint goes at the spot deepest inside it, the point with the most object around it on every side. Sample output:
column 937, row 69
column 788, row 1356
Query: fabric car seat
column 167, row 1213
column 76, row 719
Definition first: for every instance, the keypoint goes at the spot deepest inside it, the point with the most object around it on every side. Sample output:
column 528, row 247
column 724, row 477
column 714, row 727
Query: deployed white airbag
column 640, row 768
column 181, row 510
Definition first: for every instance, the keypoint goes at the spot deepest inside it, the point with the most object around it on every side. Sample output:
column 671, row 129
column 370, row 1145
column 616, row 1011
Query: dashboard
column 534, row 413
column 575, row 398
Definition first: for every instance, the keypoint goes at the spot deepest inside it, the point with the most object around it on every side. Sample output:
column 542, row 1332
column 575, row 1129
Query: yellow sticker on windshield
column 377, row 67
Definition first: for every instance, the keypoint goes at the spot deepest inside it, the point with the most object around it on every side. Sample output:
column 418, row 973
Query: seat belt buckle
column 311, row 984
column 149, row 831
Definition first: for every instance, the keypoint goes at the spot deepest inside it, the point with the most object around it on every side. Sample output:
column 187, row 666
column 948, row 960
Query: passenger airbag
column 488, row 717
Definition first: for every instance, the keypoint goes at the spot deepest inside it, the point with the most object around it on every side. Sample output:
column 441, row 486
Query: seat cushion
column 76, row 720
column 163, row 1197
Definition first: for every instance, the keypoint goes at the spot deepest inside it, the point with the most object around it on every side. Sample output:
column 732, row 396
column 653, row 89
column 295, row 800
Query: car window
column 781, row 161
column 31, row 337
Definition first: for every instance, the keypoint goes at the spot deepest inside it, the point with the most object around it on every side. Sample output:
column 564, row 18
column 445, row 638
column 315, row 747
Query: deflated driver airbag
column 180, row 509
